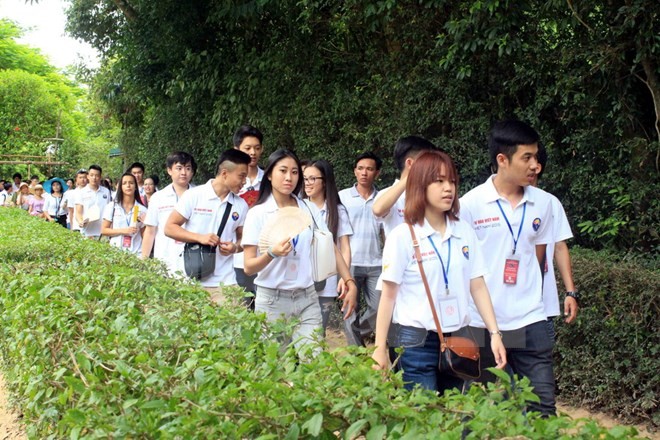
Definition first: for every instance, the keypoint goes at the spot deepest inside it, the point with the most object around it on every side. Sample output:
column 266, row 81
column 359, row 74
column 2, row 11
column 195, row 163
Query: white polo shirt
column 115, row 213
column 561, row 230
column 87, row 197
column 516, row 305
column 69, row 200
column 463, row 261
column 54, row 206
column 4, row 195
column 250, row 191
column 366, row 246
column 278, row 274
column 343, row 228
column 166, row 249
column 395, row 216
column 204, row 210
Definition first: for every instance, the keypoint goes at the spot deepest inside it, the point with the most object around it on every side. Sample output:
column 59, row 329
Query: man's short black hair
column 246, row 131
column 95, row 167
column 505, row 136
column 17, row 175
column 182, row 158
column 410, row 146
column 7, row 186
column 369, row 155
column 135, row 165
column 237, row 157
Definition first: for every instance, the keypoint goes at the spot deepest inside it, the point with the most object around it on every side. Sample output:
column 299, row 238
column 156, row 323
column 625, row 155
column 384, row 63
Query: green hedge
column 97, row 344
column 608, row 359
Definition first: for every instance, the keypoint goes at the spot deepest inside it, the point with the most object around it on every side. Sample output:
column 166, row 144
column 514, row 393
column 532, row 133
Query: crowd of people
column 488, row 256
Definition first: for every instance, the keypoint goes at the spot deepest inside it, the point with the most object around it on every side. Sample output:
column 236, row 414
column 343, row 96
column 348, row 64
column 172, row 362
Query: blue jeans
column 303, row 305
column 419, row 361
column 357, row 326
column 529, row 354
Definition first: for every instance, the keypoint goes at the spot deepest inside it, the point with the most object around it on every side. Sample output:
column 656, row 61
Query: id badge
column 511, row 269
column 126, row 241
column 449, row 311
column 292, row 268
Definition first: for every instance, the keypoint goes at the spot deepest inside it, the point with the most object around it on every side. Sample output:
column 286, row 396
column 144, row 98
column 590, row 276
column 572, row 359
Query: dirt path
column 11, row 427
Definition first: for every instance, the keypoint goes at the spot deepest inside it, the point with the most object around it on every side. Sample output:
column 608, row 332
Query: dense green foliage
column 97, row 344
column 37, row 104
column 333, row 79
column 608, row 360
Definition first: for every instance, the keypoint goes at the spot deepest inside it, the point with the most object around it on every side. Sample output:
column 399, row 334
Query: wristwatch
column 574, row 294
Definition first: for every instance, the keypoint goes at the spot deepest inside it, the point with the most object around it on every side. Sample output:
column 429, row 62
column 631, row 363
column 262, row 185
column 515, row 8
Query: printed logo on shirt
column 466, row 252
column 536, row 224
column 203, row 211
column 401, row 212
column 234, row 215
column 487, row 222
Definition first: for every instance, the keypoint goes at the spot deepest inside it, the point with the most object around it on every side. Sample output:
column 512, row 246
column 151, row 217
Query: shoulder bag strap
column 311, row 215
column 418, row 257
column 225, row 216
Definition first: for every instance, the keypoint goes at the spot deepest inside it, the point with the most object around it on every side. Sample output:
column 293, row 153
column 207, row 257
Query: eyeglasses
column 311, row 179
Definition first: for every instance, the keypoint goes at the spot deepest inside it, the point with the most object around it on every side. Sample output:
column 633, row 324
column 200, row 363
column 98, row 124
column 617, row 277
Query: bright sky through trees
column 44, row 29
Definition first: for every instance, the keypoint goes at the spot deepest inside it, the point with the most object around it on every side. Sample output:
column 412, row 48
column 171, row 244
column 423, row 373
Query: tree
column 333, row 79
column 35, row 102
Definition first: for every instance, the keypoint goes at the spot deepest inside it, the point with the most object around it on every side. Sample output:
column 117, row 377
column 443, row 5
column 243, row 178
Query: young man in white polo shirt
column 181, row 167
column 513, row 223
column 366, row 245
column 389, row 203
column 248, row 139
column 557, row 252
column 17, row 178
column 91, row 202
column 137, row 170
column 199, row 213
column 69, row 199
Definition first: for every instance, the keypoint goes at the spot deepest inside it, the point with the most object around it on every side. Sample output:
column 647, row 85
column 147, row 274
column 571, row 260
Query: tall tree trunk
column 127, row 10
column 654, row 87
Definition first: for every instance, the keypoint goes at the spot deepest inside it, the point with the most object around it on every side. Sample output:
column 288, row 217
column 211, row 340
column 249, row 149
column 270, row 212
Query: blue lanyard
column 445, row 271
column 128, row 217
column 294, row 240
column 522, row 221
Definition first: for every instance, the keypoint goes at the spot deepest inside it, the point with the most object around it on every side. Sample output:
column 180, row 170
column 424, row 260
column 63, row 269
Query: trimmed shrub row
column 609, row 359
column 96, row 344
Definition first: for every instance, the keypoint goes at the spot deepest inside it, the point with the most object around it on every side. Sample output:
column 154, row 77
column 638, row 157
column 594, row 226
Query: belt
column 287, row 292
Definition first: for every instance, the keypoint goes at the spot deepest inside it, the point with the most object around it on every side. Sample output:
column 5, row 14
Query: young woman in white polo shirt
column 321, row 190
column 454, row 268
column 119, row 219
column 284, row 282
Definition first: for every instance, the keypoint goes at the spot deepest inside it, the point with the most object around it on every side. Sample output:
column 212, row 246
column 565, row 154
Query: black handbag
column 459, row 352
column 199, row 259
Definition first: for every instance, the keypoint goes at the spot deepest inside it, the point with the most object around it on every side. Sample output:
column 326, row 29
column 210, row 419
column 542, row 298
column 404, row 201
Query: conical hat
column 286, row 223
